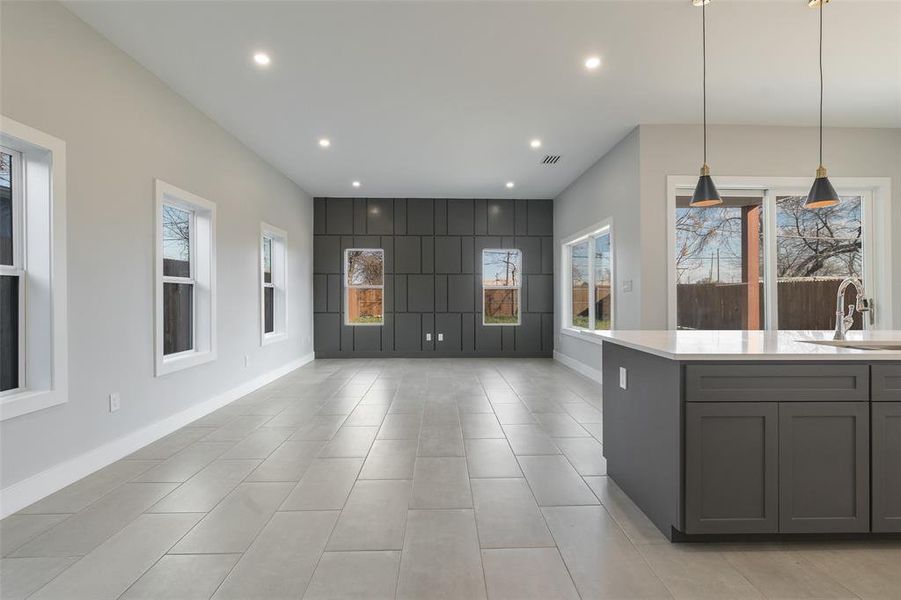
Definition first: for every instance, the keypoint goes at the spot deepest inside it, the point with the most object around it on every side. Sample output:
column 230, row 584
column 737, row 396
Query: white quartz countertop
column 751, row 345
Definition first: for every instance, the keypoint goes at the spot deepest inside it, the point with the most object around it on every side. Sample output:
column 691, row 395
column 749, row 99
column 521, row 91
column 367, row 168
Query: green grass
column 367, row 320
column 500, row 320
column 580, row 321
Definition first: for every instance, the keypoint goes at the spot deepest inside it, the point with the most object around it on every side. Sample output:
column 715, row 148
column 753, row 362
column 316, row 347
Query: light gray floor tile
column 366, row 415
column 350, row 442
column 637, row 526
column 480, row 425
column 554, row 482
column 113, row 566
column 355, row 575
column 560, row 425
column 440, row 440
column 235, row 522
column 585, row 454
column 206, row 489
column 82, row 532
column 596, row 430
column 185, row 464
column 259, row 444
column 502, row 396
column 182, row 577
column 319, row 428
column 294, row 416
column 513, row 414
column 441, row 483
column 339, row 406
column 530, row 440
column 414, row 404
column 583, row 412
column 289, row 461
column 527, row 573
column 507, row 515
column 282, row 559
column 869, row 570
column 441, row 557
column 785, row 575
column 400, row 426
column 176, row 441
column 390, row 459
column 374, row 517
column 697, row 572
column 473, row 404
column 325, row 485
column 17, row 529
column 20, row 577
column 542, row 404
column 237, row 429
column 601, row 560
column 491, row 458
column 79, row 495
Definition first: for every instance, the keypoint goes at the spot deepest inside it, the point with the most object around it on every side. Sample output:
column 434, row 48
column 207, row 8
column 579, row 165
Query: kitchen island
column 749, row 433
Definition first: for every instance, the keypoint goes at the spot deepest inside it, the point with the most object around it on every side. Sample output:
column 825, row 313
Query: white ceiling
column 438, row 99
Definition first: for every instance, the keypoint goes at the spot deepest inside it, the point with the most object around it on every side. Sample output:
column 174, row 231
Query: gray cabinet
column 824, row 467
column 777, row 383
column 886, row 435
column 731, row 469
column 887, row 383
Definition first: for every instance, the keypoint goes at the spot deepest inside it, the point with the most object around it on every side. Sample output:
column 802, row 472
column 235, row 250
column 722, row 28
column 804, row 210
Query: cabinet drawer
column 887, row 383
column 777, row 383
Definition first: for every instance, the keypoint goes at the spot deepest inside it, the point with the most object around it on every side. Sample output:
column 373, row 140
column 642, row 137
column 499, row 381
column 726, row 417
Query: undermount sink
column 859, row 344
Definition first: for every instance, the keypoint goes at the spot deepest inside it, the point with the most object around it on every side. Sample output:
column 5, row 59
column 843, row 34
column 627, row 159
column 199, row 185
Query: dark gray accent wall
column 433, row 252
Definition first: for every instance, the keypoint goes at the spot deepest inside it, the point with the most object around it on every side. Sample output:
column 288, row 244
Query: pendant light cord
column 704, row 70
column 822, row 6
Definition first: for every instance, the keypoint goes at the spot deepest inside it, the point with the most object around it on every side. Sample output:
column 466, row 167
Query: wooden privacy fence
column 803, row 304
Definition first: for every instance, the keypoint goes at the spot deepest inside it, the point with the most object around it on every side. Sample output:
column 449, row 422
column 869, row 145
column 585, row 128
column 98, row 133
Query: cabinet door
column 731, row 469
column 887, row 466
column 824, row 467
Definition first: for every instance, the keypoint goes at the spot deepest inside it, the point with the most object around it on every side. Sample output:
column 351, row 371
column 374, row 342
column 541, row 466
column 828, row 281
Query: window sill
column 273, row 338
column 586, row 335
column 29, row 401
column 179, row 362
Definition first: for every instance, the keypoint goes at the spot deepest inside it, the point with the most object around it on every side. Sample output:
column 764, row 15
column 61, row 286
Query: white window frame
column 40, row 260
column 589, row 234
column 17, row 269
column 202, row 277
column 517, row 288
column 347, row 287
column 876, row 218
column 279, row 284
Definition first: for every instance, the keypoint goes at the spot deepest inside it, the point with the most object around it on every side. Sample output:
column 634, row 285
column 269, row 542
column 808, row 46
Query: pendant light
column 705, row 192
column 822, row 194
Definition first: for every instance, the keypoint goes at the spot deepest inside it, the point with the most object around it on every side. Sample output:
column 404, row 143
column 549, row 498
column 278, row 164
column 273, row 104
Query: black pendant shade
column 705, row 192
column 822, row 194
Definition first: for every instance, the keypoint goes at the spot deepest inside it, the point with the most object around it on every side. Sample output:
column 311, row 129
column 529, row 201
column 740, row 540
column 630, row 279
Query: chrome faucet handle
column 848, row 320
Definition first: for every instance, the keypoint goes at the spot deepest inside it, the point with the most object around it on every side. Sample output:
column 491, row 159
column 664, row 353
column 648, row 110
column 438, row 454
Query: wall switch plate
column 115, row 401
column 623, row 378
column 246, row 360
column 627, row 285
column 440, row 337
column 428, row 337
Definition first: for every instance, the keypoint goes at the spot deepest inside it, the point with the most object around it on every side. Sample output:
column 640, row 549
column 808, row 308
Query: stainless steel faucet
column 843, row 322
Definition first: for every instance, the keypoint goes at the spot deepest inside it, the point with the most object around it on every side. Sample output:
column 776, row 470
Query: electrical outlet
column 115, row 401
column 623, row 378
column 440, row 337
column 246, row 360
column 428, row 337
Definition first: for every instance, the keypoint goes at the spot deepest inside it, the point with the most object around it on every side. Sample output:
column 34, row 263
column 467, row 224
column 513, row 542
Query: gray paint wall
column 432, row 275
column 628, row 184
column 122, row 128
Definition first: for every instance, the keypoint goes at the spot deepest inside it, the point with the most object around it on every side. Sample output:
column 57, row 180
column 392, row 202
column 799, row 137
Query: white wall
column 123, row 128
column 607, row 190
column 629, row 185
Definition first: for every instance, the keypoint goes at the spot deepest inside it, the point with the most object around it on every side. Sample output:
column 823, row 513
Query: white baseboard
column 28, row 491
column 579, row 367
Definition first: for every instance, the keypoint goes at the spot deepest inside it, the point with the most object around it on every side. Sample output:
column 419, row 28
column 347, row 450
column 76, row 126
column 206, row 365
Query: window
column 185, row 291
column 364, row 287
column 761, row 260
column 12, row 273
column 501, row 286
column 273, row 291
column 589, row 282
column 33, row 326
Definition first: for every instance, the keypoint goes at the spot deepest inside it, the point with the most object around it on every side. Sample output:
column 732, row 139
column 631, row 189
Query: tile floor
column 376, row 479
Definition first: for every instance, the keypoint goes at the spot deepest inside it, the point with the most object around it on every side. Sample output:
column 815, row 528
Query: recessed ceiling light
column 509, row 184
column 355, row 184
column 262, row 59
column 325, row 142
column 592, row 62
column 536, row 143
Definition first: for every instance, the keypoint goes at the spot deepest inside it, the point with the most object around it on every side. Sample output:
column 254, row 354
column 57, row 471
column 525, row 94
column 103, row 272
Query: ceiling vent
column 551, row 159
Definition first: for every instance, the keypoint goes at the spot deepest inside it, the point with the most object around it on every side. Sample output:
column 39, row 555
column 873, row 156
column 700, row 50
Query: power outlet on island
column 115, row 401
column 623, row 378
column 246, row 360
